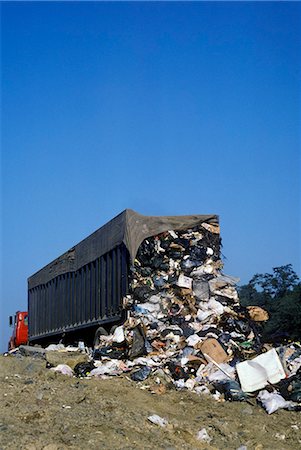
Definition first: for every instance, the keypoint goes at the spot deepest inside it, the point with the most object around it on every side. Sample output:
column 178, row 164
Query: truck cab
column 19, row 322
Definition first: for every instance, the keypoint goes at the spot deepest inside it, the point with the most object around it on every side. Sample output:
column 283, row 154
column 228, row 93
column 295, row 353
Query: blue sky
column 165, row 108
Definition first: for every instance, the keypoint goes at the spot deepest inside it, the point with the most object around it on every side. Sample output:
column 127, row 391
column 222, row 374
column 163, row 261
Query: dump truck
column 19, row 322
column 79, row 295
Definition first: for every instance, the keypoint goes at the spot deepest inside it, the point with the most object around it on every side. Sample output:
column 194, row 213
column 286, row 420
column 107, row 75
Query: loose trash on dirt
column 272, row 401
column 185, row 327
column 64, row 369
column 290, row 388
column 157, row 420
column 204, row 436
column 84, row 369
column 231, row 390
column 111, row 367
column 141, row 374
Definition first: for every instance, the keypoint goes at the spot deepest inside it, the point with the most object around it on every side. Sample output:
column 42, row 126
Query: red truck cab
column 20, row 333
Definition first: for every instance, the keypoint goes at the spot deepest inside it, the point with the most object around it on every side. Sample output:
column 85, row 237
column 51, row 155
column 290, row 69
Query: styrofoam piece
column 255, row 374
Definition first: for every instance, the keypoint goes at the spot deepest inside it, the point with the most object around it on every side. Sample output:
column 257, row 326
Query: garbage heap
column 186, row 329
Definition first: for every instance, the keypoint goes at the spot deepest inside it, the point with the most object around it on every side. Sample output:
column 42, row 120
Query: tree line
column 279, row 293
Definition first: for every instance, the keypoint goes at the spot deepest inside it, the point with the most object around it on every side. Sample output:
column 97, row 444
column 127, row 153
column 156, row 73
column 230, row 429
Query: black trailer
column 83, row 288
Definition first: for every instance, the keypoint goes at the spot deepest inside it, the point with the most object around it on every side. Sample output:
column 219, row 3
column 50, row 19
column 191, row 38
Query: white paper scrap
column 184, row 282
column 157, row 420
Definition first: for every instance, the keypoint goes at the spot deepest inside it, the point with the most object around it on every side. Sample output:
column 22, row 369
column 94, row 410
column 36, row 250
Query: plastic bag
column 290, row 388
column 109, row 368
column 177, row 372
column 231, row 390
column 271, row 401
column 141, row 374
column 138, row 347
column 115, row 351
column 83, row 369
column 64, row 369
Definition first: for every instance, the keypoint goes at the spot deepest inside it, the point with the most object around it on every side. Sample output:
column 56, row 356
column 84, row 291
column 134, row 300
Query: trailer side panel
column 89, row 296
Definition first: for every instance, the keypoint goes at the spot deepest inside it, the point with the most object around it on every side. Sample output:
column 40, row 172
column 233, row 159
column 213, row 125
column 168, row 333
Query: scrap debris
column 185, row 323
column 186, row 329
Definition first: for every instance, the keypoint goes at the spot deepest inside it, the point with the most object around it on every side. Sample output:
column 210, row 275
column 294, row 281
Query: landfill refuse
column 231, row 390
column 141, row 374
column 258, row 314
column 118, row 335
column 138, row 343
column 256, row 373
column 272, row 401
column 109, row 367
column 64, row 369
column 114, row 351
column 157, row 420
column 55, row 347
column 204, row 436
column 212, row 348
column 290, row 388
column 185, row 326
column 83, row 369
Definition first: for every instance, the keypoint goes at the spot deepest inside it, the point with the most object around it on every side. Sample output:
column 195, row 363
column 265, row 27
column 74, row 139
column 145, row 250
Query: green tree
column 280, row 294
column 285, row 316
column 250, row 296
column 282, row 281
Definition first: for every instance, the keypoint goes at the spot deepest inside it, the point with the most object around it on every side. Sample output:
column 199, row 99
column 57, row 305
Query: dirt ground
column 41, row 409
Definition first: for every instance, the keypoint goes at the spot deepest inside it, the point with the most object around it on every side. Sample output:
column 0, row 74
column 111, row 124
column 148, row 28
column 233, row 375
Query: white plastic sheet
column 256, row 373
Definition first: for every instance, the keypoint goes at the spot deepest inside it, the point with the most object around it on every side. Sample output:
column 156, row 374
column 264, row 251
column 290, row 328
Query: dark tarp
column 128, row 227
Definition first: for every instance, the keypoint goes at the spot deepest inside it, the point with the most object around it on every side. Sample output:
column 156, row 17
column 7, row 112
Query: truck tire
column 99, row 332
column 11, row 345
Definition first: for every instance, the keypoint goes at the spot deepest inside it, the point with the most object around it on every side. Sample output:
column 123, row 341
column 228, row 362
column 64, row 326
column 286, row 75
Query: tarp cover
column 129, row 228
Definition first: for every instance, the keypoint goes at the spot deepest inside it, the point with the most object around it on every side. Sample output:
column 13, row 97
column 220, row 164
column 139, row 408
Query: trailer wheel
column 99, row 332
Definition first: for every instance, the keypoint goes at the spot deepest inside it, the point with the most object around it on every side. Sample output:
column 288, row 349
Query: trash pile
column 186, row 329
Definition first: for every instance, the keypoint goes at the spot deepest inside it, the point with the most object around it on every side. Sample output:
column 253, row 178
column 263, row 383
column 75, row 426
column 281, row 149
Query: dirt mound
column 42, row 409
